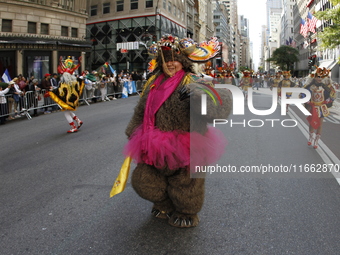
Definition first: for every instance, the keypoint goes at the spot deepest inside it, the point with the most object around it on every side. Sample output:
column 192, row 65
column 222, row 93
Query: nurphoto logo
column 238, row 106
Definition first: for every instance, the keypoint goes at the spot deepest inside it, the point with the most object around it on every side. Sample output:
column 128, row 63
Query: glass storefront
column 106, row 35
column 37, row 66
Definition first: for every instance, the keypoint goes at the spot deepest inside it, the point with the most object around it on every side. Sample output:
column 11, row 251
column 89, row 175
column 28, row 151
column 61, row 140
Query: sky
column 255, row 12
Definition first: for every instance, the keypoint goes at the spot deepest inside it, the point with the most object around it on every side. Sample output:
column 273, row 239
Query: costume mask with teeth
column 185, row 51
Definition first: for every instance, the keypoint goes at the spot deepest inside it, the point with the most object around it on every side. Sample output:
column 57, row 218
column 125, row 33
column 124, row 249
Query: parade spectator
column 54, row 81
column 11, row 101
column 112, row 80
column 3, row 104
column 32, row 94
column 18, row 98
column 103, row 88
column 46, row 87
column 54, row 84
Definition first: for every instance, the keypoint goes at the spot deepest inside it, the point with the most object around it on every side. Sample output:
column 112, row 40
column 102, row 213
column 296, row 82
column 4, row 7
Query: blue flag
column 5, row 77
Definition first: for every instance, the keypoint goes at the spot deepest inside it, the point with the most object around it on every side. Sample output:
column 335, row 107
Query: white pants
column 69, row 116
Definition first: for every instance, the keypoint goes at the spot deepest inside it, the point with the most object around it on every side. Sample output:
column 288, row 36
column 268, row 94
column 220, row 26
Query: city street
column 55, row 189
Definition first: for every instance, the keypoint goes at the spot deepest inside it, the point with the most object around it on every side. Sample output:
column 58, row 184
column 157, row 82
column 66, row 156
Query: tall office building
column 122, row 30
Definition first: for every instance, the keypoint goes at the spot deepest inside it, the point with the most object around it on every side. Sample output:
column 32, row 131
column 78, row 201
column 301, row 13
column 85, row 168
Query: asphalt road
column 54, row 192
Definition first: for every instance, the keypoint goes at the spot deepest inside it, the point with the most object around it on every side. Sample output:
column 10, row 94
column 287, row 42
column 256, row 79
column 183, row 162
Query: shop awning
column 329, row 64
column 23, row 41
column 74, row 44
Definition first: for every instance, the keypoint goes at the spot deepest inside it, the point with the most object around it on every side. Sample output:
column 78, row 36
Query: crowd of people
column 26, row 94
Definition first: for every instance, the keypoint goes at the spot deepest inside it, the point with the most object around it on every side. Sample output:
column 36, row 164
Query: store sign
column 128, row 46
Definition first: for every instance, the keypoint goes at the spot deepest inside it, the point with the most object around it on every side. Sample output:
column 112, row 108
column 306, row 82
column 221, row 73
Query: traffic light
column 311, row 61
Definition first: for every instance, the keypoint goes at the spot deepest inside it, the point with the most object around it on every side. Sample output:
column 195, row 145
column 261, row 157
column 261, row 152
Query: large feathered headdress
column 185, row 50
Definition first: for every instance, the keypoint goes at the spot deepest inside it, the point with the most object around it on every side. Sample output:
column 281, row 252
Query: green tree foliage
column 330, row 36
column 285, row 57
column 242, row 68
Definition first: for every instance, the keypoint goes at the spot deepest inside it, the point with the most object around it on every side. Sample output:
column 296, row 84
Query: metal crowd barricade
column 35, row 100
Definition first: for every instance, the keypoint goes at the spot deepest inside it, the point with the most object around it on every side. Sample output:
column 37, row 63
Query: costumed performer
column 286, row 82
column 68, row 93
column 167, row 123
column 322, row 97
column 246, row 82
column 274, row 83
column 229, row 76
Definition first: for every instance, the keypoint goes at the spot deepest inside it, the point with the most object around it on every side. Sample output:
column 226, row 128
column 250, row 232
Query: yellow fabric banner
column 120, row 182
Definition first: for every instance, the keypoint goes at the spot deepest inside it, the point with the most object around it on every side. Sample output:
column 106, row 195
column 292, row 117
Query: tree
column 330, row 36
column 242, row 68
column 285, row 57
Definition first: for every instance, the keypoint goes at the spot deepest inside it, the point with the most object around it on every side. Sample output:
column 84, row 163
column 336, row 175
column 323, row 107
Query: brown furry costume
column 174, row 194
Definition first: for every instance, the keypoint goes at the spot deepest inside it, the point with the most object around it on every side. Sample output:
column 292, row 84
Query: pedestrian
column 3, row 104
column 18, row 98
column 67, row 95
column 159, row 133
column 32, row 95
column 103, row 88
column 112, row 80
column 46, row 87
column 10, row 100
column 322, row 97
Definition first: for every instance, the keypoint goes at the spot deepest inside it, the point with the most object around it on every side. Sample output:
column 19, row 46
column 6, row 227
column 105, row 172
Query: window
column 94, row 9
column 134, row 4
column 175, row 10
column 164, row 4
column 64, row 31
column 44, row 29
column 6, row 25
column 169, row 7
column 148, row 3
column 74, row 32
column 32, row 28
column 106, row 8
column 120, row 5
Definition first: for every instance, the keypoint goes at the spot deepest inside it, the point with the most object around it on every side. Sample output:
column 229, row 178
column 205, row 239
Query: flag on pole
column 5, row 77
column 303, row 28
column 112, row 71
column 311, row 22
column 305, row 44
column 293, row 44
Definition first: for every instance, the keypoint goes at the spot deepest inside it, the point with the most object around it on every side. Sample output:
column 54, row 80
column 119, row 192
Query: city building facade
column 121, row 31
column 34, row 35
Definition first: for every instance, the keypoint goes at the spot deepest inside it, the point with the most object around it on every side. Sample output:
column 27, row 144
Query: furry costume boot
column 73, row 128
column 175, row 195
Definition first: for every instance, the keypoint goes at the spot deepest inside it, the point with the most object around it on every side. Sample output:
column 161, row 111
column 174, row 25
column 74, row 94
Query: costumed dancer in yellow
column 246, row 82
column 286, row 82
column 274, row 83
column 68, row 93
column 322, row 97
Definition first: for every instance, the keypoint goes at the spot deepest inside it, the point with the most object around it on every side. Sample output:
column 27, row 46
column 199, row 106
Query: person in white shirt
column 3, row 104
